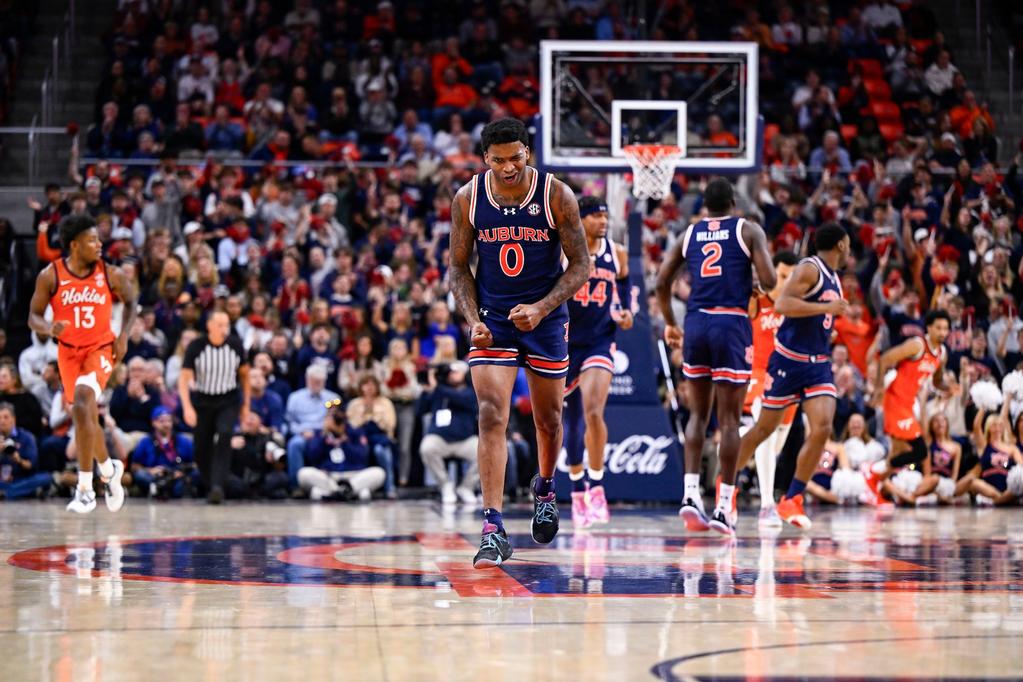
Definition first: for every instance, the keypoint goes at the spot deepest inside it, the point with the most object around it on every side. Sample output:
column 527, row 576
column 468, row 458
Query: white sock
column 106, row 468
column 691, row 487
column 85, row 480
column 766, row 464
column 725, row 492
column 596, row 475
column 573, row 476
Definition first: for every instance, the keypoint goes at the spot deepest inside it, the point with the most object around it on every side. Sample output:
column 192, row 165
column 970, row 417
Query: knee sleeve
column 575, row 428
column 917, row 454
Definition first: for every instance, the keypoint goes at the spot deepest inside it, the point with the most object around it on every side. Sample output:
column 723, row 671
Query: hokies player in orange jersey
column 916, row 361
column 80, row 288
column 765, row 322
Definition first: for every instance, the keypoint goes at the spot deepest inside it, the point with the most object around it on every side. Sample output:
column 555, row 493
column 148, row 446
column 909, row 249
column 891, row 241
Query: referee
column 213, row 371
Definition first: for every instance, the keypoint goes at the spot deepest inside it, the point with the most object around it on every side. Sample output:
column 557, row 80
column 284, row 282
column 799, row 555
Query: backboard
column 599, row 96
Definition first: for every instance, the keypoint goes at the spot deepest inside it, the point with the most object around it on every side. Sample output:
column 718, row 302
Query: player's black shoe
column 494, row 548
column 720, row 522
column 545, row 515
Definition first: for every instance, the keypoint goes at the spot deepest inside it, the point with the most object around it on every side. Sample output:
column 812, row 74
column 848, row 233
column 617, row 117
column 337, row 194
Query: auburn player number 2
column 711, row 255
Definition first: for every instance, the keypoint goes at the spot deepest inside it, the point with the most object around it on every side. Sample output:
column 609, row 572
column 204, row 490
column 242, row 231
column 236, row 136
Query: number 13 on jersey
column 84, row 317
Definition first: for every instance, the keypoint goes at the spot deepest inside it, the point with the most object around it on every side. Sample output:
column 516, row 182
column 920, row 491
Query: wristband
column 624, row 289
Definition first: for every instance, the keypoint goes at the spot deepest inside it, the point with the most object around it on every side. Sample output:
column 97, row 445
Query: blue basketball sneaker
column 545, row 515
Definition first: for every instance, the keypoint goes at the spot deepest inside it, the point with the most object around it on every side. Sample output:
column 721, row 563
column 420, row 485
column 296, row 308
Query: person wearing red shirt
column 451, row 93
column 856, row 334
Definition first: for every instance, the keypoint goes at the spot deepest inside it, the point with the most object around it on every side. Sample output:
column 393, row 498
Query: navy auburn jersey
column 799, row 337
column 589, row 311
column 519, row 247
column 719, row 266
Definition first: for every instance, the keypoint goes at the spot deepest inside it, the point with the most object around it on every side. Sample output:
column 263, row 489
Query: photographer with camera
column 258, row 468
column 163, row 464
column 337, row 461
column 18, row 474
column 453, row 410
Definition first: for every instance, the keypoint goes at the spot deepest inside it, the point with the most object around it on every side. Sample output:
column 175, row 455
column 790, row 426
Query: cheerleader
column 1000, row 472
column 834, row 481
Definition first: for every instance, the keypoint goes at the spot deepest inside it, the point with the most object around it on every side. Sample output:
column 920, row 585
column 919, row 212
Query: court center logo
column 613, row 564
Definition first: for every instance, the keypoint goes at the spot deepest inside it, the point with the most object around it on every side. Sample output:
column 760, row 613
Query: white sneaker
column 83, row 502
column 930, row 500
column 115, row 491
column 447, row 493
column 769, row 519
column 465, row 495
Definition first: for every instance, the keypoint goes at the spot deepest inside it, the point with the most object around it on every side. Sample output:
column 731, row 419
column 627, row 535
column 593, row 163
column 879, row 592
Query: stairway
column 74, row 97
column 957, row 18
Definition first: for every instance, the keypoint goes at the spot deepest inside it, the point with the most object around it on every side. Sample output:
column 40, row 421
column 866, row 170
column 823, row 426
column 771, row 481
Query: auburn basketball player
column 601, row 305
column 766, row 320
column 717, row 347
column 800, row 367
column 80, row 288
column 916, row 361
column 520, row 220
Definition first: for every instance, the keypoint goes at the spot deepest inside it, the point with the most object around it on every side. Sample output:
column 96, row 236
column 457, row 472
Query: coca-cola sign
column 636, row 454
column 642, row 460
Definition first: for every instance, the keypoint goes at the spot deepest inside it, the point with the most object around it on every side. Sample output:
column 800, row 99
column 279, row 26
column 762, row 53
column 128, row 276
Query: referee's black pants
column 215, row 417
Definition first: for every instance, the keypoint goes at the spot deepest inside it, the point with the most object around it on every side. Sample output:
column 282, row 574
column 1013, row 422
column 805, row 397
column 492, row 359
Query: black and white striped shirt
column 215, row 367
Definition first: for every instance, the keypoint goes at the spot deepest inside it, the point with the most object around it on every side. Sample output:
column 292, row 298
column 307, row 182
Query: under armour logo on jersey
column 509, row 210
column 484, row 312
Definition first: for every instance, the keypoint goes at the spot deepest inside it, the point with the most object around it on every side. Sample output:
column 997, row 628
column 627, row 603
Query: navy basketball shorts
column 822, row 479
column 790, row 381
column 596, row 355
column 543, row 350
column 718, row 347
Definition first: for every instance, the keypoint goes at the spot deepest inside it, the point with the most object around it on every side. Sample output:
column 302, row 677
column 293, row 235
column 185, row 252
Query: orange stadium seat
column 887, row 112
column 891, row 131
column 870, row 68
column 877, row 89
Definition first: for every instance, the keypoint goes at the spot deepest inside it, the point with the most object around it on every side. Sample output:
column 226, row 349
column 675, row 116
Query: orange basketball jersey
column 911, row 375
column 765, row 326
column 85, row 303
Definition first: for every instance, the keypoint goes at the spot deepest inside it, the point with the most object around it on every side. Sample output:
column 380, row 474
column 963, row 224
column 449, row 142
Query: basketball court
column 386, row 592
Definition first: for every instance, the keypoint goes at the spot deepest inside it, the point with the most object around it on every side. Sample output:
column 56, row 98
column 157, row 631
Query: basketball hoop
column 653, row 167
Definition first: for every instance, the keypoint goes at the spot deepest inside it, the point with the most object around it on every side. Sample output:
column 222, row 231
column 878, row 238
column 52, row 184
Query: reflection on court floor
column 387, row 592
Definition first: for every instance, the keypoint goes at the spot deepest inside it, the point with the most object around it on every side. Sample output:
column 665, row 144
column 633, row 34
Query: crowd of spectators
column 334, row 275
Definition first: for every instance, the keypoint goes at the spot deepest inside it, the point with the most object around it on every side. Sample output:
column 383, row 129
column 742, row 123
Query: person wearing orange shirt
column 453, row 94
column 965, row 114
column 856, row 334
column 719, row 136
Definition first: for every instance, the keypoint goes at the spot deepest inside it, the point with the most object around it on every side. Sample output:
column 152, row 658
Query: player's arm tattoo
column 573, row 243
column 125, row 290
column 666, row 279
column 460, row 279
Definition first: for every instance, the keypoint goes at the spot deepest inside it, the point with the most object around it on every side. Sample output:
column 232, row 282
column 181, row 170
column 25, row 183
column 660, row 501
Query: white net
column 653, row 166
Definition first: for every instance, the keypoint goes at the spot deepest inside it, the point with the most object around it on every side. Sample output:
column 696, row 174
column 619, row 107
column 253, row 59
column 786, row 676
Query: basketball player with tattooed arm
column 80, row 288
column 520, row 220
